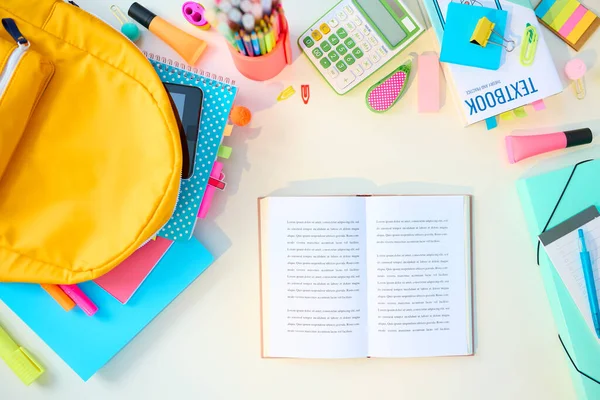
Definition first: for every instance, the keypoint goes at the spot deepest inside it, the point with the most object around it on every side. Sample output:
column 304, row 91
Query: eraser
column 429, row 82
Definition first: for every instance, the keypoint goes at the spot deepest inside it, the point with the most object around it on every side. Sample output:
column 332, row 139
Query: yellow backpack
column 90, row 152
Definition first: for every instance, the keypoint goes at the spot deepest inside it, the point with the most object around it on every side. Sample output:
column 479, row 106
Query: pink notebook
column 123, row 281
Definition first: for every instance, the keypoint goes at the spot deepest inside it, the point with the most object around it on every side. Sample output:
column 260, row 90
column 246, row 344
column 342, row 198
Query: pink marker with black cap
column 522, row 147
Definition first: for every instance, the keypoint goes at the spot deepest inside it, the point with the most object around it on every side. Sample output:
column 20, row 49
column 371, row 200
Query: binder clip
column 575, row 70
column 529, row 45
column 484, row 30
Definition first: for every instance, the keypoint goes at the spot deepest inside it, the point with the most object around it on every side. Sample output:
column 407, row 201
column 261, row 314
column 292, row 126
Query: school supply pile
column 548, row 200
column 508, row 81
column 90, row 322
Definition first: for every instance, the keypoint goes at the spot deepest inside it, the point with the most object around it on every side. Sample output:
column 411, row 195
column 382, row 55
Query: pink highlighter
column 80, row 299
column 522, row 147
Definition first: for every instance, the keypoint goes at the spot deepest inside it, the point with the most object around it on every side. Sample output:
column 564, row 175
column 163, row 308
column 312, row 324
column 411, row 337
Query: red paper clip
column 305, row 93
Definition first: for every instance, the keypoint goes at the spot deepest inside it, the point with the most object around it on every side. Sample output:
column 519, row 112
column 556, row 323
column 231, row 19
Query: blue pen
column 590, row 284
column 255, row 44
column 240, row 44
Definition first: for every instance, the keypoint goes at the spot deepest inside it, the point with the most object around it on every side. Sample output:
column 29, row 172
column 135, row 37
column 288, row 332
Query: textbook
column 356, row 276
column 482, row 93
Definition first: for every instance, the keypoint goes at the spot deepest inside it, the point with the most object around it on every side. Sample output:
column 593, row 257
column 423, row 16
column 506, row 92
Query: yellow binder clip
column 484, row 30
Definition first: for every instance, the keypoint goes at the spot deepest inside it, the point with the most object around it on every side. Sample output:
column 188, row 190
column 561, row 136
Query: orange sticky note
column 228, row 130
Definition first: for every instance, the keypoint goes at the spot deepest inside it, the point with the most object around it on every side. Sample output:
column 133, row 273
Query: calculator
column 356, row 38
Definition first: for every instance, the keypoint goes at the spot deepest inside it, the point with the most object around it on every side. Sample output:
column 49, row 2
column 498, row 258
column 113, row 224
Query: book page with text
column 314, row 277
column 418, row 274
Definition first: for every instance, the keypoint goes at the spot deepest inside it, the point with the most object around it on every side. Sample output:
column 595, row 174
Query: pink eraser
column 428, row 82
column 210, row 190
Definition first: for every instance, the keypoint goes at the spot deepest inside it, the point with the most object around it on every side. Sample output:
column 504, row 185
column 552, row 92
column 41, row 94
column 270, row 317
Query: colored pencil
column 255, row 45
column 261, row 43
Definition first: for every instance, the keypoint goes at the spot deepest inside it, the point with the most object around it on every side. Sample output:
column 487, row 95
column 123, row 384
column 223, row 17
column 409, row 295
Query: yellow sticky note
column 507, row 116
column 228, row 130
column 581, row 27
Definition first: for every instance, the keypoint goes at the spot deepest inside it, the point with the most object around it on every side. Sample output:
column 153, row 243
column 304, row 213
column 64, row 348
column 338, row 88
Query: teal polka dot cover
column 219, row 95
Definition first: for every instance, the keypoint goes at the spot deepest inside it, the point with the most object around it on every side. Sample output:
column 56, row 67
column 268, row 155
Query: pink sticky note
column 428, row 82
column 123, row 281
column 539, row 105
column 210, row 190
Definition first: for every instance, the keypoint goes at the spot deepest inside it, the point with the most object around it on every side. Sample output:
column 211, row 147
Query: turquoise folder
column 539, row 197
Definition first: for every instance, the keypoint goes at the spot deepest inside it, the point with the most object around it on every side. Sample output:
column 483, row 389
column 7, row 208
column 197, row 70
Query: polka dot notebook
column 219, row 94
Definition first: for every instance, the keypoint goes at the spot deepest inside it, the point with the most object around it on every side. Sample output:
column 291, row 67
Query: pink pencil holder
column 268, row 66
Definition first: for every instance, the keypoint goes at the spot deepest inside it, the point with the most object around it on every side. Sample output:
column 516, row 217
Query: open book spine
column 200, row 75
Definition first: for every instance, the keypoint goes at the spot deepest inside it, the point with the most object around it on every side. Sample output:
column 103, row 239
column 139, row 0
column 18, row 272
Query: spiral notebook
column 219, row 94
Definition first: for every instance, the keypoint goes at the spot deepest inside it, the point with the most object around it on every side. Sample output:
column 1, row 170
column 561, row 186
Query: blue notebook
column 88, row 343
column 218, row 100
column 460, row 23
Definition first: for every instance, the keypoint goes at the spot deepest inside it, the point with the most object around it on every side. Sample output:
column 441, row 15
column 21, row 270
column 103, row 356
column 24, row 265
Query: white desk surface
column 205, row 345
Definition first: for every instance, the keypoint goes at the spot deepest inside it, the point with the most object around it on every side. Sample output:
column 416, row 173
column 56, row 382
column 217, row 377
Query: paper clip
column 305, row 93
column 286, row 93
column 575, row 70
column 484, row 30
column 529, row 46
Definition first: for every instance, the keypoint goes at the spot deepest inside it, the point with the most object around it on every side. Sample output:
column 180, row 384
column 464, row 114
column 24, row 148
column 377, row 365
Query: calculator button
column 350, row 43
column 349, row 10
column 333, row 56
column 345, row 80
column 382, row 51
column 341, row 66
column 408, row 24
column 358, row 36
column 375, row 58
column 365, row 46
column 350, row 26
column 349, row 59
column 373, row 40
column 366, row 64
column 342, row 33
column 325, row 28
column 325, row 46
column 365, row 30
column 308, row 42
column 325, row 63
column 334, row 39
column 332, row 73
column 341, row 49
column 358, row 71
column 316, row 35
column 333, row 23
column 357, row 21
column 357, row 53
column 341, row 15
column 317, row 52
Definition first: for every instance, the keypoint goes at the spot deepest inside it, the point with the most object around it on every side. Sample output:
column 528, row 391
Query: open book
column 349, row 277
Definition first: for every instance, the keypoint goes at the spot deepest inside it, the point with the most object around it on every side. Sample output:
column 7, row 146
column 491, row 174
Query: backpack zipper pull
column 13, row 30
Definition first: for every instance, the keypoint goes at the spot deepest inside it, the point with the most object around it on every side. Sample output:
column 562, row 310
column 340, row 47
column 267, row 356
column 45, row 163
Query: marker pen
column 522, row 147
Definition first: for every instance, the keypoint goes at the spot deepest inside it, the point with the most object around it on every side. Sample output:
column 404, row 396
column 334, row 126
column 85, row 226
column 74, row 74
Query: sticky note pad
column 539, row 105
column 428, row 83
column 520, row 112
column 491, row 123
column 569, row 20
column 461, row 20
column 87, row 343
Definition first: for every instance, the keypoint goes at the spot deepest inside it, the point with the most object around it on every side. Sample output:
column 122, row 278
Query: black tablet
column 187, row 100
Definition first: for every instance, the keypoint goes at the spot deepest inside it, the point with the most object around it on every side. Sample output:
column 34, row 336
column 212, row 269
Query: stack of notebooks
column 484, row 93
column 131, row 295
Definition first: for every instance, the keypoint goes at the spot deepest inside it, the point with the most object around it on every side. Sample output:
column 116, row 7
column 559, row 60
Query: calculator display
column 386, row 16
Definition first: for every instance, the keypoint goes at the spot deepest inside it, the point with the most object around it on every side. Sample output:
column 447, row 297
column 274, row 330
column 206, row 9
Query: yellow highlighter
column 18, row 359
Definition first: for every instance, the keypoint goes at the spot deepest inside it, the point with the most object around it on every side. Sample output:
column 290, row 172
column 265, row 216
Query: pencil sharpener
column 194, row 13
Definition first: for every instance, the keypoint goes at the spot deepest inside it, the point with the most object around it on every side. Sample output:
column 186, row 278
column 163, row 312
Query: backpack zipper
column 15, row 57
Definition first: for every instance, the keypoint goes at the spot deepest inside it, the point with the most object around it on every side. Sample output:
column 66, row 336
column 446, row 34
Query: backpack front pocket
column 24, row 75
